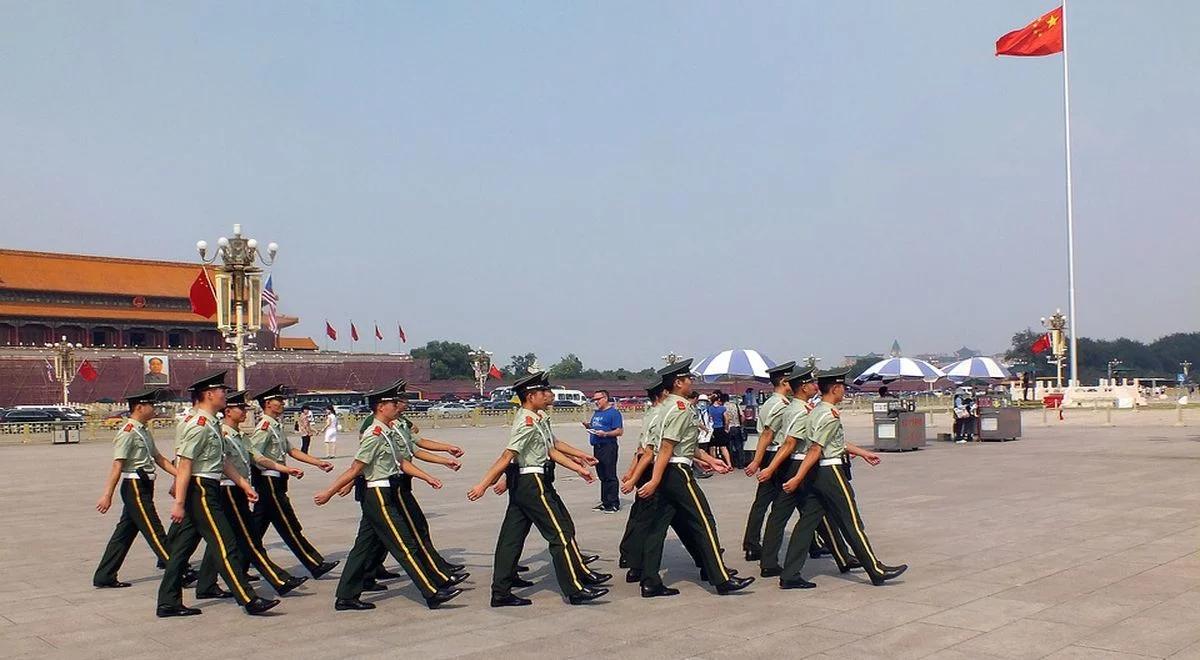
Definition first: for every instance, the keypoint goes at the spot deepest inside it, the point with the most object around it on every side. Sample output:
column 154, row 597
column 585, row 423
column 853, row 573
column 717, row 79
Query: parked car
column 499, row 405
column 419, row 405
column 360, row 409
column 448, row 396
column 565, row 403
column 450, row 409
column 28, row 415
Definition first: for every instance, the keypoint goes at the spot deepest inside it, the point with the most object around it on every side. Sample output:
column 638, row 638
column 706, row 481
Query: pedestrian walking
column 718, row 415
column 604, row 428
column 331, row 431
column 304, row 423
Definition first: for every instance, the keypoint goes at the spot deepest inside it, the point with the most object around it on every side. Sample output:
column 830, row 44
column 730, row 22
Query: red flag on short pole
column 353, row 331
column 330, row 332
column 1041, row 345
column 204, row 301
column 378, row 334
column 402, row 337
column 88, row 372
column 1043, row 36
column 494, row 372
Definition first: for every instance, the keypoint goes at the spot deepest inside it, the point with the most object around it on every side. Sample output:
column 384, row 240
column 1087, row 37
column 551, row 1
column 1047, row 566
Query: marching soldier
column 199, row 508
column 823, row 484
column 679, row 494
column 250, row 548
column 134, row 459
column 380, row 462
column 794, row 432
column 770, row 418
column 533, row 501
column 275, row 507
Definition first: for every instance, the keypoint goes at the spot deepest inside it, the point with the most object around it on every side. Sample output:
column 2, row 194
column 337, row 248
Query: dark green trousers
column 532, row 503
column 207, row 517
column 415, row 517
column 764, row 495
column 827, row 495
column 250, row 548
column 641, row 515
column 275, row 508
column 781, row 511
column 137, row 515
column 567, row 521
column 680, row 495
column 384, row 525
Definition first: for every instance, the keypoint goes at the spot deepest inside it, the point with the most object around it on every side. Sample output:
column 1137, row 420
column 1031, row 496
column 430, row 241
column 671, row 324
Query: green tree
column 519, row 364
column 447, row 359
column 570, row 366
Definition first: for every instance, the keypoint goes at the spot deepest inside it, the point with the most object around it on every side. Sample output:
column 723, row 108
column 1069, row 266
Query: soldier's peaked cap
column 802, row 375
column 273, row 392
column 655, row 388
column 780, row 371
column 152, row 395
column 236, row 399
column 675, row 370
column 538, row 380
column 215, row 381
column 832, row 377
column 389, row 393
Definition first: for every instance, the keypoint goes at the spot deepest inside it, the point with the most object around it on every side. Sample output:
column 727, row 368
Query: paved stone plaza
column 1079, row 541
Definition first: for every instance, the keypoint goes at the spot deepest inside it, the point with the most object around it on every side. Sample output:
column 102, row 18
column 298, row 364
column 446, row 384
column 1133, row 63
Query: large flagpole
column 1074, row 322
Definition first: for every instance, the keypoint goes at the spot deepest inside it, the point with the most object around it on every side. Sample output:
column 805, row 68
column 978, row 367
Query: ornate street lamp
column 481, row 363
column 66, row 365
column 812, row 361
column 1057, row 325
column 671, row 358
column 238, row 285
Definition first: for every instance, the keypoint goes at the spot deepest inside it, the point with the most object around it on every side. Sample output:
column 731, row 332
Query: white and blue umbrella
column 899, row 368
column 733, row 364
column 977, row 367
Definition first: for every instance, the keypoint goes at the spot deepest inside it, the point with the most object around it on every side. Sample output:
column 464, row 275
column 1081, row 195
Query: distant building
column 850, row 360
column 896, row 352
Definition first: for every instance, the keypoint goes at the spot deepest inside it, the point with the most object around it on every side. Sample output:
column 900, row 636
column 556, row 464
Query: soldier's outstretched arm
column 231, row 473
column 567, row 462
column 344, row 479
column 409, row 468
column 665, row 451
column 430, row 457
column 569, row 450
column 786, row 448
column 110, row 485
column 310, row 459
column 869, row 456
column 434, row 445
column 163, row 463
column 493, row 473
column 760, row 451
column 810, row 459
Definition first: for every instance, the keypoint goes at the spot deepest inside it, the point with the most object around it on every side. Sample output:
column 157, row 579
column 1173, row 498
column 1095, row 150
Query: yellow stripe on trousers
column 233, row 576
column 383, row 512
column 833, row 545
column 288, row 523
column 561, row 537
column 263, row 561
column 712, row 538
column 420, row 543
column 137, row 495
column 854, row 518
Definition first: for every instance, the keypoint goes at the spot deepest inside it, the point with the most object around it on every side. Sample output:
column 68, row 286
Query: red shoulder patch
column 188, row 418
column 128, row 428
column 835, row 413
column 681, row 405
column 201, row 421
column 377, row 431
column 528, row 420
column 265, row 426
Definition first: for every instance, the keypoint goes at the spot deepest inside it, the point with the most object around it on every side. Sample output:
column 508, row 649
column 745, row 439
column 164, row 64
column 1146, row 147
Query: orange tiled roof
column 298, row 343
column 74, row 273
column 131, row 313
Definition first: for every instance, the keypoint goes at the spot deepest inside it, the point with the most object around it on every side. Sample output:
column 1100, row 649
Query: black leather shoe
column 889, row 573
column 189, row 577
column 796, row 583
column 771, row 572
column 115, row 584
column 454, row 568
column 165, row 611
column 586, row 594
column 324, row 568
column 384, row 574
column 442, row 596
column 818, row 553
column 213, row 593
column 352, row 604
column 510, row 601
column 260, row 605
column 587, row 559
column 633, row 575
column 753, row 555
column 455, row 579
column 660, row 590
column 597, row 578
column 374, row 586
column 522, row 569
column 728, row 571
column 734, row 584
column 521, row 583
column 287, row 587
column 851, row 564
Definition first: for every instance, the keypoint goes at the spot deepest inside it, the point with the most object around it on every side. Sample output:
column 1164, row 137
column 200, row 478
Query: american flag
column 270, row 301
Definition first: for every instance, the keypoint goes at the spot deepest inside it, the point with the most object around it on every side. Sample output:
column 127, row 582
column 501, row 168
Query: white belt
column 798, row 456
column 379, row 483
column 134, row 475
column 826, row 462
column 682, row 460
column 271, row 473
column 532, row 470
column 227, row 482
column 215, row 476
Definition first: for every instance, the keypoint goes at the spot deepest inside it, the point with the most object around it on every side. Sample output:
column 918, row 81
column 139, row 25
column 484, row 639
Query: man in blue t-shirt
column 604, row 429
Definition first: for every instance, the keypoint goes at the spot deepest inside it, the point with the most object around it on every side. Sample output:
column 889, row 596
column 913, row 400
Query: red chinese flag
column 378, row 334
column 1044, row 36
column 88, row 372
column 1041, row 345
column 204, row 301
column 353, row 331
column 402, row 337
column 330, row 332
column 494, row 372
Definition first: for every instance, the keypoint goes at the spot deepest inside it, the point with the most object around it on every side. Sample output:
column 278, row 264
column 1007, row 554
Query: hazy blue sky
column 620, row 179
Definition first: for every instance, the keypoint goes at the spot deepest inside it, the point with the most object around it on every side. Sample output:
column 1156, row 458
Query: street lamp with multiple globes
column 812, row 361
column 238, row 285
column 481, row 363
column 671, row 358
column 1057, row 325
column 66, row 365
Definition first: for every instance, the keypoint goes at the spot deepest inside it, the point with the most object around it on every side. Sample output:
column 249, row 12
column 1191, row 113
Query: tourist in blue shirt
column 604, row 429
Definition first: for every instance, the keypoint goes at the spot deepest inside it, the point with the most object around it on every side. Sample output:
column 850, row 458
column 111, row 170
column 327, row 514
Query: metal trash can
column 65, row 433
column 898, row 426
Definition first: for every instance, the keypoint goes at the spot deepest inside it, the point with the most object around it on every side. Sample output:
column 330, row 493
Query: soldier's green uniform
column 770, row 416
column 274, row 507
column 566, row 520
column 134, row 446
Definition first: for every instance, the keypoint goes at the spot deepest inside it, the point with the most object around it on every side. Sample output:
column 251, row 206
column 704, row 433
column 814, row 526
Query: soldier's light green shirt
column 827, row 430
column 378, row 451
column 134, row 445
column 408, row 445
column 651, row 428
column 678, row 423
column 770, row 416
column 271, row 440
column 189, row 416
column 200, row 440
column 795, row 424
column 236, row 450
column 531, row 438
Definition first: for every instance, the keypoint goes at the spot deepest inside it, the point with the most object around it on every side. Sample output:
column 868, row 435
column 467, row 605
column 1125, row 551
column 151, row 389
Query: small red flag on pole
column 494, row 372
column 353, row 331
column 88, row 372
column 401, row 329
column 378, row 334
column 1043, row 36
column 330, row 332
column 1041, row 345
column 204, row 301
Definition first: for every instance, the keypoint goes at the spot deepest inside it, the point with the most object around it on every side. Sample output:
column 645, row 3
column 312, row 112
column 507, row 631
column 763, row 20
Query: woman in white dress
column 331, row 430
